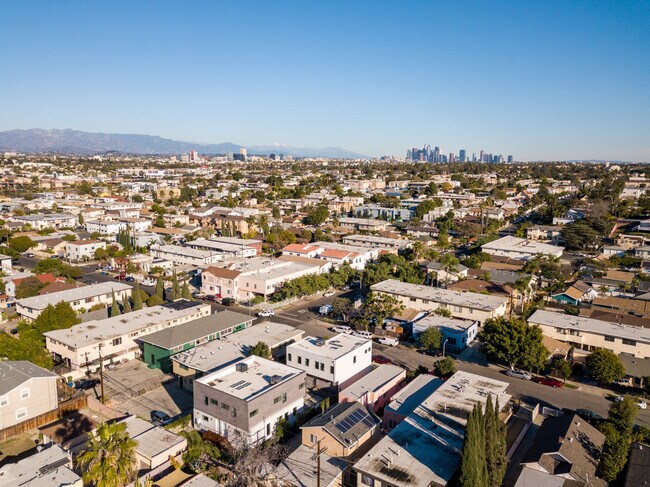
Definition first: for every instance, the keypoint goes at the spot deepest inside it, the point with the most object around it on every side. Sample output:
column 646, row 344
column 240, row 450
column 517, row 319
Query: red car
column 121, row 277
column 548, row 381
column 380, row 359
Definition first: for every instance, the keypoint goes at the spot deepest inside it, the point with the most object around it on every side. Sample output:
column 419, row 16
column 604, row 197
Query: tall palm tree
column 263, row 222
column 109, row 460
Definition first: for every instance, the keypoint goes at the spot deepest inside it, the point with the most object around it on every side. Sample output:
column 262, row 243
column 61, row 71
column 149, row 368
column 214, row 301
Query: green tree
column 317, row 216
column 605, row 366
column 21, row 244
column 563, row 367
column 109, row 459
column 137, row 297
column 176, row 289
column 56, row 317
column 57, row 268
column 185, row 292
column 126, row 304
column 261, row 349
column 154, row 300
column 495, row 444
column 382, row 306
column 445, row 367
column 431, row 338
column 29, row 287
column 342, row 307
column 473, row 464
column 160, row 289
column 426, row 206
column 101, row 254
column 513, row 342
column 622, row 414
column 443, row 239
column 115, row 308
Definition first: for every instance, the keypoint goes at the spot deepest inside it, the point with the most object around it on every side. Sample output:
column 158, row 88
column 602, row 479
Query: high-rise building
column 462, row 155
column 481, row 156
column 510, row 158
column 436, row 154
column 409, row 155
column 452, row 157
column 194, row 156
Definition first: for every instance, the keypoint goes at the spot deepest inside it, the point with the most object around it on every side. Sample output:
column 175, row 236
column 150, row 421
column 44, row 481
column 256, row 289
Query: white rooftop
column 373, row 381
column 331, row 348
column 184, row 251
column 152, row 440
column 589, row 325
column 43, row 469
column 249, row 377
column 455, row 324
column 516, row 244
column 76, row 294
column 94, row 331
column 425, row 447
column 468, row 300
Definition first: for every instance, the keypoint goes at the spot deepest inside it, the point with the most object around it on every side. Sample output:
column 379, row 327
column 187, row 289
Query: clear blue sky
column 537, row 79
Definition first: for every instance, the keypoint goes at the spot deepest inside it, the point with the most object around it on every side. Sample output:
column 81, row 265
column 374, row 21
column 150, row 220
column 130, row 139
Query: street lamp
column 444, row 344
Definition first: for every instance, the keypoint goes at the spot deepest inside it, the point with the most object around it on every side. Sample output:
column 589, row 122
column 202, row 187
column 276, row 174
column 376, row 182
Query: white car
column 342, row 329
column 148, row 282
column 389, row 341
column 519, row 374
column 639, row 402
column 265, row 313
column 328, row 294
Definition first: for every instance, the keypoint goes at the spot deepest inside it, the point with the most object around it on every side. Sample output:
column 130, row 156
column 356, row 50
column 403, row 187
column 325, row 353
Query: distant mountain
column 75, row 141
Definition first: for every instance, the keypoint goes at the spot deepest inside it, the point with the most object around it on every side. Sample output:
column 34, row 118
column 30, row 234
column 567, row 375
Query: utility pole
column 101, row 372
column 319, row 452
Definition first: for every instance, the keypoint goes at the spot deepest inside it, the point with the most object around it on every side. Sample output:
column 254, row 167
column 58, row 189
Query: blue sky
column 537, row 79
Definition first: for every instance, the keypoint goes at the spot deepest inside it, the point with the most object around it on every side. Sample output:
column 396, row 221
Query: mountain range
column 78, row 142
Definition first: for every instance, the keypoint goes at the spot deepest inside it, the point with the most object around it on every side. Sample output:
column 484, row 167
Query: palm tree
column 263, row 222
column 109, row 460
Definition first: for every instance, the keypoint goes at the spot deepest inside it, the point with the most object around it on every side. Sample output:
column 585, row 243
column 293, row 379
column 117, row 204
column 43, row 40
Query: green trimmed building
column 158, row 347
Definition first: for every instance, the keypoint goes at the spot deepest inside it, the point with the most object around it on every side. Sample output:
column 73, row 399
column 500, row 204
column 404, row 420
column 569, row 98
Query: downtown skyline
column 559, row 82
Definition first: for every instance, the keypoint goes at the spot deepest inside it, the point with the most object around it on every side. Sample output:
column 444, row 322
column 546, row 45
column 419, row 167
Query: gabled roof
column 222, row 272
column 13, row 373
column 346, row 422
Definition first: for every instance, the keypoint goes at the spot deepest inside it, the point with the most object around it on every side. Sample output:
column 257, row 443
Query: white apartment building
column 520, row 248
column 338, row 254
column 244, row 279
column 589, row 334
column 115, row 337
column 466, row 305
column 338, row 361
column 227, row 246
column 244, row 401
column 180, row 255
column 377, row 241
column 105, row 227
column 80, row 298
column 47, row 221
column 82, row 250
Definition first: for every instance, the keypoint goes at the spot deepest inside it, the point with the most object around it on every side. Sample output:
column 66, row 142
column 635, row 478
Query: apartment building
column 115, row 338
column 243, row 279
column 228, row 246
column 82, row 250
column 457, row 334
column 363, row 224
column 181, row 255
column 26, row 392
column 244, row 401
column 376, row 388
column 589, row 334
column 378, row 242
column 470, row 306
column 338, row 361
column 338, row 254
column 520, row 248
column 47, row 221
column 80, row 298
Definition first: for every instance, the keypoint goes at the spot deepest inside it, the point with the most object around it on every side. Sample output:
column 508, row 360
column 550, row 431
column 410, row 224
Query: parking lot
column 169, row 398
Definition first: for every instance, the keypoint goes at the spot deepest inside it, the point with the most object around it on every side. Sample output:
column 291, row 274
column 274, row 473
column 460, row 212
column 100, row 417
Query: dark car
column 120, row 277
column 588, row 414
column 86, row 384
column 548, row 381
column 431, row 352
column 227, row 301
column 129, row 279
column 160, row 418
column 380, row 359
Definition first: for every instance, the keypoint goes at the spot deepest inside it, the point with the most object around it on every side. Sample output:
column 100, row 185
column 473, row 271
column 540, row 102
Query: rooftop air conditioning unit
column 242, row 367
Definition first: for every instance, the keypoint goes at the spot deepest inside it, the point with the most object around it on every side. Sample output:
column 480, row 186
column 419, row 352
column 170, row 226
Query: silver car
column 519, row 374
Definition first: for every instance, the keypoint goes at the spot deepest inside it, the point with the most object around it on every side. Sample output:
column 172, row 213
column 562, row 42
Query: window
column 284, row 397
column 277, row 399
column 609, row 338
column 629, row 342
column 225, row 406
column 313, row 438
column 300, row 386
column 214, row 402
column 299, row 360
column 117, row 341
column 24, row 393
column 4, row 400
column 354, row 359
column 306, row 362
column 288, row 357
column 322, row 366
column 21, row 413
column 316, row 365
column 331, row 369
column 205, row 400
column 413, row 300
column 253, row 413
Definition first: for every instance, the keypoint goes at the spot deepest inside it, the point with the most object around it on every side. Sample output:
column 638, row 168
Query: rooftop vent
column 242, row 367
column 320, row 342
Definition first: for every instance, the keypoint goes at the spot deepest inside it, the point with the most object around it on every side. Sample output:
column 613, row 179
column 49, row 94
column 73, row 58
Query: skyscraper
column 510, row 158
column 462, row 155
column 481, row 156
column 436, row 154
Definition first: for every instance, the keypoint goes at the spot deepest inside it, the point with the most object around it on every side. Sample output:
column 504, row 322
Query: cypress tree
column 160, row 289
column 137, row 298
column 185, row 292
column 473, row 468
column 115, row 308
column 176, row 290
column 501, row 460
column 126, row 304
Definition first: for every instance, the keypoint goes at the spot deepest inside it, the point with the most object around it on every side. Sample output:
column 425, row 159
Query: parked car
column 227, row 301
column 548, row 381
column 640, row 402
column 342, row 329
column 328, row 294
column 380, row 359
column 588, row 414
column 519, row 374
column 160, row 418
column 265, row 313
column 345, row 288
column 390, row 341
column 29, row 255
column 86, row 384
column 129, row 279
column 148, row 282
column 363, row 334
column 325, row 309
column 121, row 277
column 430, row 351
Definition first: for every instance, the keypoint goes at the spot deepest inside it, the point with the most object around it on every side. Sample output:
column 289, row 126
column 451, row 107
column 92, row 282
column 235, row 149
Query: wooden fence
column 75, row 403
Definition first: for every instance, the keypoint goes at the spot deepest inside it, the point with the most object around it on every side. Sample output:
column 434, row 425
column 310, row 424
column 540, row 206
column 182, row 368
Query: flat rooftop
column 184, row 251
column 481, row 302
column 76, row 294
column 363, row 221
column 332, row 348
column 265, row 267
column 444, row 323
column 414, row 394
column 152, row 440
column 426, row 446
column 249, row 377
column 91, row 332
column 373, row 381
column 589, row 325
column 389, row 242
column 516, row 244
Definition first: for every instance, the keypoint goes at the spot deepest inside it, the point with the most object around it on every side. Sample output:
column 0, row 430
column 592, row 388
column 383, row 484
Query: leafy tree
column 382, row 306
column 614, row 455
column 495, row 444
column 622, row 414
column 115, row 308
column 185, row 292
column 137, row 297
column 57, row 268
column 28, row 345
column 317, row 216
column 426, row 206
column 21, row 244
column 342, row 307
column 443, row 238
column 109, row 460
column 473, row 463
column 126, row 304
column 605, row 366
column 160, row 289
column 580, row 235
column 261, row 349
column 431, row 338
column 56, row 317
column 431, row 189
column 154, row 300
column 513, row 342
column 176, row 289
column 101, row 254
column 443, row 312
column 563, row 367
column 445, row 367
column 29, row 287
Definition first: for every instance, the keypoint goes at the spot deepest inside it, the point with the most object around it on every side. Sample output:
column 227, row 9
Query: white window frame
column 19, row 411
column 4, row 400
column 22, row 393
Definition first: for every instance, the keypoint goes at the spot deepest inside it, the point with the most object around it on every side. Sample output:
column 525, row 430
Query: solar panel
column 353, row 419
